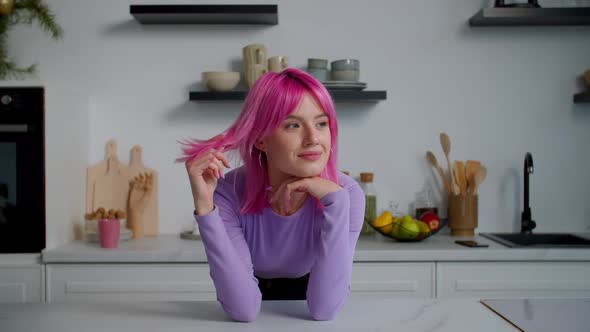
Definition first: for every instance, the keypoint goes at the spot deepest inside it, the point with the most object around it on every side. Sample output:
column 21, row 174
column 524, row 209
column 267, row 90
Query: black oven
column 22, row 170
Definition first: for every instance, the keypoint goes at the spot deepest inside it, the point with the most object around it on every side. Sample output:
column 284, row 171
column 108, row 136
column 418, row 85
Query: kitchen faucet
column 526, row 223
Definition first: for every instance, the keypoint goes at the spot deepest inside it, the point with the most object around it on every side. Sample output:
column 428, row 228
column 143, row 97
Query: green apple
column 409, row 229
column 395, row 230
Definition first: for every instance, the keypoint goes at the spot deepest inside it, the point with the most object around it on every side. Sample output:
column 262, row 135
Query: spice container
column 370, row 202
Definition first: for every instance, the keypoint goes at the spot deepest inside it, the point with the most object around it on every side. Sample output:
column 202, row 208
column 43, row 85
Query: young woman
column 285, row 224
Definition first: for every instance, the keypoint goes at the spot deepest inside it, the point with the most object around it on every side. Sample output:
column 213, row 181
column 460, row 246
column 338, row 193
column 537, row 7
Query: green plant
column 23, row 11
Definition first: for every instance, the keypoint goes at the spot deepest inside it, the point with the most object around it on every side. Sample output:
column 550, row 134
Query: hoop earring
column 260, row 159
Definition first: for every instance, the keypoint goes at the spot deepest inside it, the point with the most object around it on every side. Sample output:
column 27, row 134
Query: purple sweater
column 268, row 245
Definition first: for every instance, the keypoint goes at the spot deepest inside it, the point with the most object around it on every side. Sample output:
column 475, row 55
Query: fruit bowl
column 443, row 223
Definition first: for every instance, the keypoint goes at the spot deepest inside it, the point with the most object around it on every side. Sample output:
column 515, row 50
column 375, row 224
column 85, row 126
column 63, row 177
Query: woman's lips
column 311, row 156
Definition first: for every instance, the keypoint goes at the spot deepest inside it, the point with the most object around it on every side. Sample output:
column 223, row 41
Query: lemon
column 384, row 219
column 386, row 229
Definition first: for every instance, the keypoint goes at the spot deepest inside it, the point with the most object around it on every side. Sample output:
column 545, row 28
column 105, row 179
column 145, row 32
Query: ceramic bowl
column 345, row 64
column 321, row 74
column 317, row 63
column 221, row 80
column 345, row 75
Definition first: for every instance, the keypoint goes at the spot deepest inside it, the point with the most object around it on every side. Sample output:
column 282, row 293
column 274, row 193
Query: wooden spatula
column 445, row 143
column 459, row 170
column 478, row 178
column 470, row 169
column 432, row 159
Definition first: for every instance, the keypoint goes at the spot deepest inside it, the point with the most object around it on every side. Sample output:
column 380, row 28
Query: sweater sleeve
column 230, row 263
column 329, row 279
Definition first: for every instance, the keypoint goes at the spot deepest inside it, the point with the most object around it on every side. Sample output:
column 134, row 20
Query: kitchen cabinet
column 393, row 280
column 129, row 282
column 22, row 279
column 513, row 279
column 191, row 282
column 167, row 268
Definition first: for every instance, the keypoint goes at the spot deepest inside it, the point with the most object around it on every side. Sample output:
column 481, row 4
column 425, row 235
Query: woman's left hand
column 315, row 186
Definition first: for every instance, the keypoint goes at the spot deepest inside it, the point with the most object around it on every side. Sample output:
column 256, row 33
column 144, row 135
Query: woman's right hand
column 203, row 172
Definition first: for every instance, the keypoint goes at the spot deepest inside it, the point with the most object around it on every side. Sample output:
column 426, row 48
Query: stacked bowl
column 345, row 70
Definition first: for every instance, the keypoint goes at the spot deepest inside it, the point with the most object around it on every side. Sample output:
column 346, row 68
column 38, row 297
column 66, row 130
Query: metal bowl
column 443, row 224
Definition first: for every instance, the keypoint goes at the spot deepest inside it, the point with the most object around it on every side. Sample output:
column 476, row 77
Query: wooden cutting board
column 150, row 215
column 107, row 184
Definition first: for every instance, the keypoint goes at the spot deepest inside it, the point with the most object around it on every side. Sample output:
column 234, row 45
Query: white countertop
column 544, row 315
column 441, row 247
column 358, row 315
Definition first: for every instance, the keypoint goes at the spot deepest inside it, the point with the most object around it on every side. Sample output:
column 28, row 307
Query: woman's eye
column 292, row 125
column 323, row 124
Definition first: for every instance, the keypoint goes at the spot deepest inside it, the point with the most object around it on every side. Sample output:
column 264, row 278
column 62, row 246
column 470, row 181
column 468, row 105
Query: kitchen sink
column 538, row 240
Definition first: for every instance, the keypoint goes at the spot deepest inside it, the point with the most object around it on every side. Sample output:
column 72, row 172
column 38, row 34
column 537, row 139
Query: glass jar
column 370, row 202
column 425, row 202
column 395, row 210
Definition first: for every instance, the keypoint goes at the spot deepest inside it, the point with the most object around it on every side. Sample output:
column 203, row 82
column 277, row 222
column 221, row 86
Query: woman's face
column 301, row 145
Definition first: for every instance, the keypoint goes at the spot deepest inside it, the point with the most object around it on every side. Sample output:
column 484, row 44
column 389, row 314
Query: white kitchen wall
column 498, row 92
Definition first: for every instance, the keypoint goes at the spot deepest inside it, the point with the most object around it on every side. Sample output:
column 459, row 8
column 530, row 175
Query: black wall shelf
column 205, row 14
column 337, row 95
column 582, row 97
column 531, row 16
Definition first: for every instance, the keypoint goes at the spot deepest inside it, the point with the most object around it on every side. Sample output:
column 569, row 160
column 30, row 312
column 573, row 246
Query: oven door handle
column 14, row 128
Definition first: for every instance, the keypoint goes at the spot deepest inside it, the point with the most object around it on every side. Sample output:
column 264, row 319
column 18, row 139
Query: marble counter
column 172, row 249
column 358, row 315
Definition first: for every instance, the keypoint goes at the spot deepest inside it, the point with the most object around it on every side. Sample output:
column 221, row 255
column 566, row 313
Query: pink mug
column 108, row 230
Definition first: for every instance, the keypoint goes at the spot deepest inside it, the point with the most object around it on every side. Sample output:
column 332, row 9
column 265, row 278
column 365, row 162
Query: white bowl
column 221, row 80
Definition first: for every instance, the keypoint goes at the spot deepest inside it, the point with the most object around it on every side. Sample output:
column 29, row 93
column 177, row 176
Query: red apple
column 431, row 219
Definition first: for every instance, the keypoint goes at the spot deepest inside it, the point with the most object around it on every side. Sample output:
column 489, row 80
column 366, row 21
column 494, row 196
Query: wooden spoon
column 479, row 177
column 430, row 156
column 470, row 168
column 459, row 170
column 445, row 142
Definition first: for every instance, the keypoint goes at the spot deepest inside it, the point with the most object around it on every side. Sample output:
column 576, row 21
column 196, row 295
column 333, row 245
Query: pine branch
column 9, row 70
column 25, row 11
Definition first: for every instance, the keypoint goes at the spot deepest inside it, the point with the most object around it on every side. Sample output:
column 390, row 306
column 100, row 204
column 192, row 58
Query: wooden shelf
column 582, row 97
column 531, row 16
column 338, row 95
column 205, row 14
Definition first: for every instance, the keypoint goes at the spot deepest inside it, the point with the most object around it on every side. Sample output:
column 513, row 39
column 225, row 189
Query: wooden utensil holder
column 463, row 214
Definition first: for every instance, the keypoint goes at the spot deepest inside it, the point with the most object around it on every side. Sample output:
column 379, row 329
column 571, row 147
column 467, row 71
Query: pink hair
column 272, row 98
